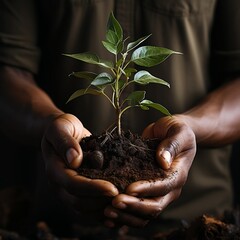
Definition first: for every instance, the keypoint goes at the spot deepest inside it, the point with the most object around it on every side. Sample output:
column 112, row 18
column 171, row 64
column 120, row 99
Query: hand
column 63, row 155
column 145, row 200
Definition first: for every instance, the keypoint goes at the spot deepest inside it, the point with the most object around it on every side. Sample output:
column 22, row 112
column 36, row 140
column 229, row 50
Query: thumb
column 163, row 153
column 74, row 157
column 181, row 141
column 166, row 152
column 73, row 153
column 176, row 138
column 64, row 135
column 148, row 132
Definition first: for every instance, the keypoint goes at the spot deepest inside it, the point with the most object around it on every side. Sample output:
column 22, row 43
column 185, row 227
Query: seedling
column 120, row 73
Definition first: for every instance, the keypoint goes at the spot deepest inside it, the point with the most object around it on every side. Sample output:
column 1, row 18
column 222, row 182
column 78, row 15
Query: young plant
column 118, row 75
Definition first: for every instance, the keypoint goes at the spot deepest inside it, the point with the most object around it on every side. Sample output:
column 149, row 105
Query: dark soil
column 120, row 160
column 206, row 227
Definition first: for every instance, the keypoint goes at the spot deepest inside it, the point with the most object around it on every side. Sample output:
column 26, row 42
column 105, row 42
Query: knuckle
column 174, row 147
column 171, row 182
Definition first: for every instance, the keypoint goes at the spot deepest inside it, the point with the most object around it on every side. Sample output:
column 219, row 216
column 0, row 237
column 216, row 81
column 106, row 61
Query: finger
column 74, row 183
column 64, row 136
column 152, row 188
column 179, row 139
column 163, row 156
column 148, row 131
column 149, row 208
column 146, row 208
column 82, row 186
column 175, row 179
column 116, row 218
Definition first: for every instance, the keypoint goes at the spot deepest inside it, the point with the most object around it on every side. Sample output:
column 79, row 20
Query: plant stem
column 118, row 93
column 119, row 128
column 117, row 101
column 117, row 104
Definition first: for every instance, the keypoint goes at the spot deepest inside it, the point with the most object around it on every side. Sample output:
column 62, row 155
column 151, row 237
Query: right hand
column 63, row 155
column 145, row 200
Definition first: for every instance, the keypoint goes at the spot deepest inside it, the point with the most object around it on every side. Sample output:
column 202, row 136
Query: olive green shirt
column 34, row 34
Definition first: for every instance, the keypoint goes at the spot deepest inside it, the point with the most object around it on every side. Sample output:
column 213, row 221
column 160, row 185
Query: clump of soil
column 120, row 159
column 207, row 227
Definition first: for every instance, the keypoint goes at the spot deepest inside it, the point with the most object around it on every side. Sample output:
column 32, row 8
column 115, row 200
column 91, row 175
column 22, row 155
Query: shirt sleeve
column 18, row 34
column 226, row 38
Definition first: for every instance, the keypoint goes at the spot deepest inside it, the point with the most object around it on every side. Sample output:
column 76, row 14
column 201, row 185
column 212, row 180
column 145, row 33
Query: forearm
column 216, row 121
column 25, row 108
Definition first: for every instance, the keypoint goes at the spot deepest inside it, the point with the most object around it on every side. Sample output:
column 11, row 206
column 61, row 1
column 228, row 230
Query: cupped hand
column 145, row 200
column 63, row 155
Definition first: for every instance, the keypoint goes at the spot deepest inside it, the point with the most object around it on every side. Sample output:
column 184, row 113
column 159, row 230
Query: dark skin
column 32, row 116
column 213, row 123
column 145, row 200
column 30, row 113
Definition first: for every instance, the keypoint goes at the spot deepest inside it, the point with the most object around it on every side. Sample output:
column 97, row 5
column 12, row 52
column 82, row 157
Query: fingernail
column 167, row 157
column 112, row 193
column 71, row 154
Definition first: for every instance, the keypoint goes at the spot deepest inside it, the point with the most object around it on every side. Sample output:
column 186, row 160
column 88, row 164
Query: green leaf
column 119, row 62
column 128, row 71
column 148, row 56
column 115, row 49
column 102, row 79
column 146, row 104
column 90, row 58
column 136, row 97
column 134, row 44
column 143, row 107
column 114, row 25
column 144, row 77
column 119, row 46
column 82, row 92
column 111, row 36
column 112, row 48
column 114, row 36
column 84, row 75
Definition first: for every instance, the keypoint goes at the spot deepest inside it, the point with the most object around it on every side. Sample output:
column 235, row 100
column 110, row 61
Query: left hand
column 63, row 155
column 145, row 200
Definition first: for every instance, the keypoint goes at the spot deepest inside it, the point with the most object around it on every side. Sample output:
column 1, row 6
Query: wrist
column 202, row 127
